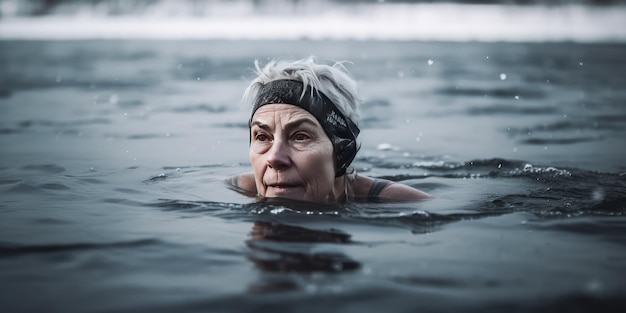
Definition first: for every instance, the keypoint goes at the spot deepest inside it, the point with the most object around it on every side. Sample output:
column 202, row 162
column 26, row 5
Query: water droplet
column 487, row 57
column 581, row 63
column 514, row 149
column 337, row 266
column 502, row 76
column 418, row 139
column 431, row 62
column 598, row 194
column 547, row 81
column 114, row 98
column 384, row 146
column 197, row 78
column 400, row 74
column 594, row 286
column 310, row 288
column 500, row 165
column 516, row 97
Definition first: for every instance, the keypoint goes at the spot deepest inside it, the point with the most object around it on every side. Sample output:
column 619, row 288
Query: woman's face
column 291, row 155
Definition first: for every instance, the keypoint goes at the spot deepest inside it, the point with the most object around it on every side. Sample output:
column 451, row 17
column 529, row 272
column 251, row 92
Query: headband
column 341, row 131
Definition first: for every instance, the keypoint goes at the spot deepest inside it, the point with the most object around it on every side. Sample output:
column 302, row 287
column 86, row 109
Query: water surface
column 113, row 154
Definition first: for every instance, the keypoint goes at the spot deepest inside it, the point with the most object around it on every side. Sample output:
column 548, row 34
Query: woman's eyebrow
column 299, row 122
column 260, row 125
column 290, row 125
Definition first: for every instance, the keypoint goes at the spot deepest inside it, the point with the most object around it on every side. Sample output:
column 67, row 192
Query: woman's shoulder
column 243, row 183
column 364, row 187
column 382, row 189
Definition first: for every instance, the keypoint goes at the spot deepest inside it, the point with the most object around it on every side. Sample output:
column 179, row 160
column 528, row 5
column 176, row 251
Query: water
column 113, row 153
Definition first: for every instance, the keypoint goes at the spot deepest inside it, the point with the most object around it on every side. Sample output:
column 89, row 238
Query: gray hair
column 331, row 80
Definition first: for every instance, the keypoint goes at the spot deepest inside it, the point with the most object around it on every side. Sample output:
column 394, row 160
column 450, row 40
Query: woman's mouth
column 281, row 189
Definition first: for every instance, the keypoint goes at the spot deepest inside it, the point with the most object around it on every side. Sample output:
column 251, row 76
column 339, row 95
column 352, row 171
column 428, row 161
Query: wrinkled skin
column 291, row 155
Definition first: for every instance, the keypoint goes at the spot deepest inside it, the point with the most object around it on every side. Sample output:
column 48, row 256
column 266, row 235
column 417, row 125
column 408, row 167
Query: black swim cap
column 341, row 131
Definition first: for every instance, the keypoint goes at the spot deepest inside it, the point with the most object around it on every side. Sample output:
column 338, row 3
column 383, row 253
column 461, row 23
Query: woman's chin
column 295, row 193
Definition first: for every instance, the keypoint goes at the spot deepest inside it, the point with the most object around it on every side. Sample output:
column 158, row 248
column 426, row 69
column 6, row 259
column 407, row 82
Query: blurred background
column 456, row 20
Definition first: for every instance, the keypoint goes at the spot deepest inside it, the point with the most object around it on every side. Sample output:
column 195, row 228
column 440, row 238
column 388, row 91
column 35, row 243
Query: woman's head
column 331, row 80
column 303, row 127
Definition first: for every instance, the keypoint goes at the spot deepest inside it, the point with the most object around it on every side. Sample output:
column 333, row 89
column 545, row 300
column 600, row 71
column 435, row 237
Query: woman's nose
column 279, row 157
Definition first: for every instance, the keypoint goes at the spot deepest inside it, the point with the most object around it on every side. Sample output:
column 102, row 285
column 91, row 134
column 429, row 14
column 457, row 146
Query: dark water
column 112, row 155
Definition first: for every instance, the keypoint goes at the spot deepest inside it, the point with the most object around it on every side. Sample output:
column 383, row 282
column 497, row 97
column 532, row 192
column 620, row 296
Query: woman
column 303, row 131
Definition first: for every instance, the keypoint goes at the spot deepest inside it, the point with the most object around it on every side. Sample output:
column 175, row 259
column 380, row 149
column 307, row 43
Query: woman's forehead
column 284, row 112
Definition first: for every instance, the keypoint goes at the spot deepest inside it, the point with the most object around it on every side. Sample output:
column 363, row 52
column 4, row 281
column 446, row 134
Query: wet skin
column 291, row 155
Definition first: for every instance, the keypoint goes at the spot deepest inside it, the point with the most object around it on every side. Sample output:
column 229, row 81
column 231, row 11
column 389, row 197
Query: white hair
column 331, row 80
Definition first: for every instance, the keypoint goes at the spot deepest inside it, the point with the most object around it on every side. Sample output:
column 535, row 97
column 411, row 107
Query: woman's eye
column 301, row 137
column 261, row 137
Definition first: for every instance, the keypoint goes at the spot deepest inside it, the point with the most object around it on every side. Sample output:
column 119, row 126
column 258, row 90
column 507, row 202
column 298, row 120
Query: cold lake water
column 113, row 155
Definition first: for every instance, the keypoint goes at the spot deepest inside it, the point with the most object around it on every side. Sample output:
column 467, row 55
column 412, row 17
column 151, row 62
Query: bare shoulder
column 367, row 187
column 402, row 192
column 244, row 181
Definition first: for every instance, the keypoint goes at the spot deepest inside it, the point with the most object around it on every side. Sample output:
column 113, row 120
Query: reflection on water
column 298, row 255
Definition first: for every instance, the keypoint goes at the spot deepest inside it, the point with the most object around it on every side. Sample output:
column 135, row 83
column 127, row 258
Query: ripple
column 273, row 257
column 64, row 124
column 231, row 125
column 9, row 181
column 9, row 131
column 50, row 221
column 503, row 109
column 507, row 93
column 24, row 187
column 45, row 168
column 559, row 141
column 200, row 108
column 570, row 126
column 376, row 103
column 129, row 103
column 148, row 136
column 426, row 281
column 54, row 186
column 10, row 250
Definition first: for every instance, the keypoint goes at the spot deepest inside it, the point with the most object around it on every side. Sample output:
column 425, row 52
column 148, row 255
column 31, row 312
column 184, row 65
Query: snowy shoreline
column 440, row 22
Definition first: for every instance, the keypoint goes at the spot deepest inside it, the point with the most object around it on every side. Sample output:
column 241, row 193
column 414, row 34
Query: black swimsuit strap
column 377, row 186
